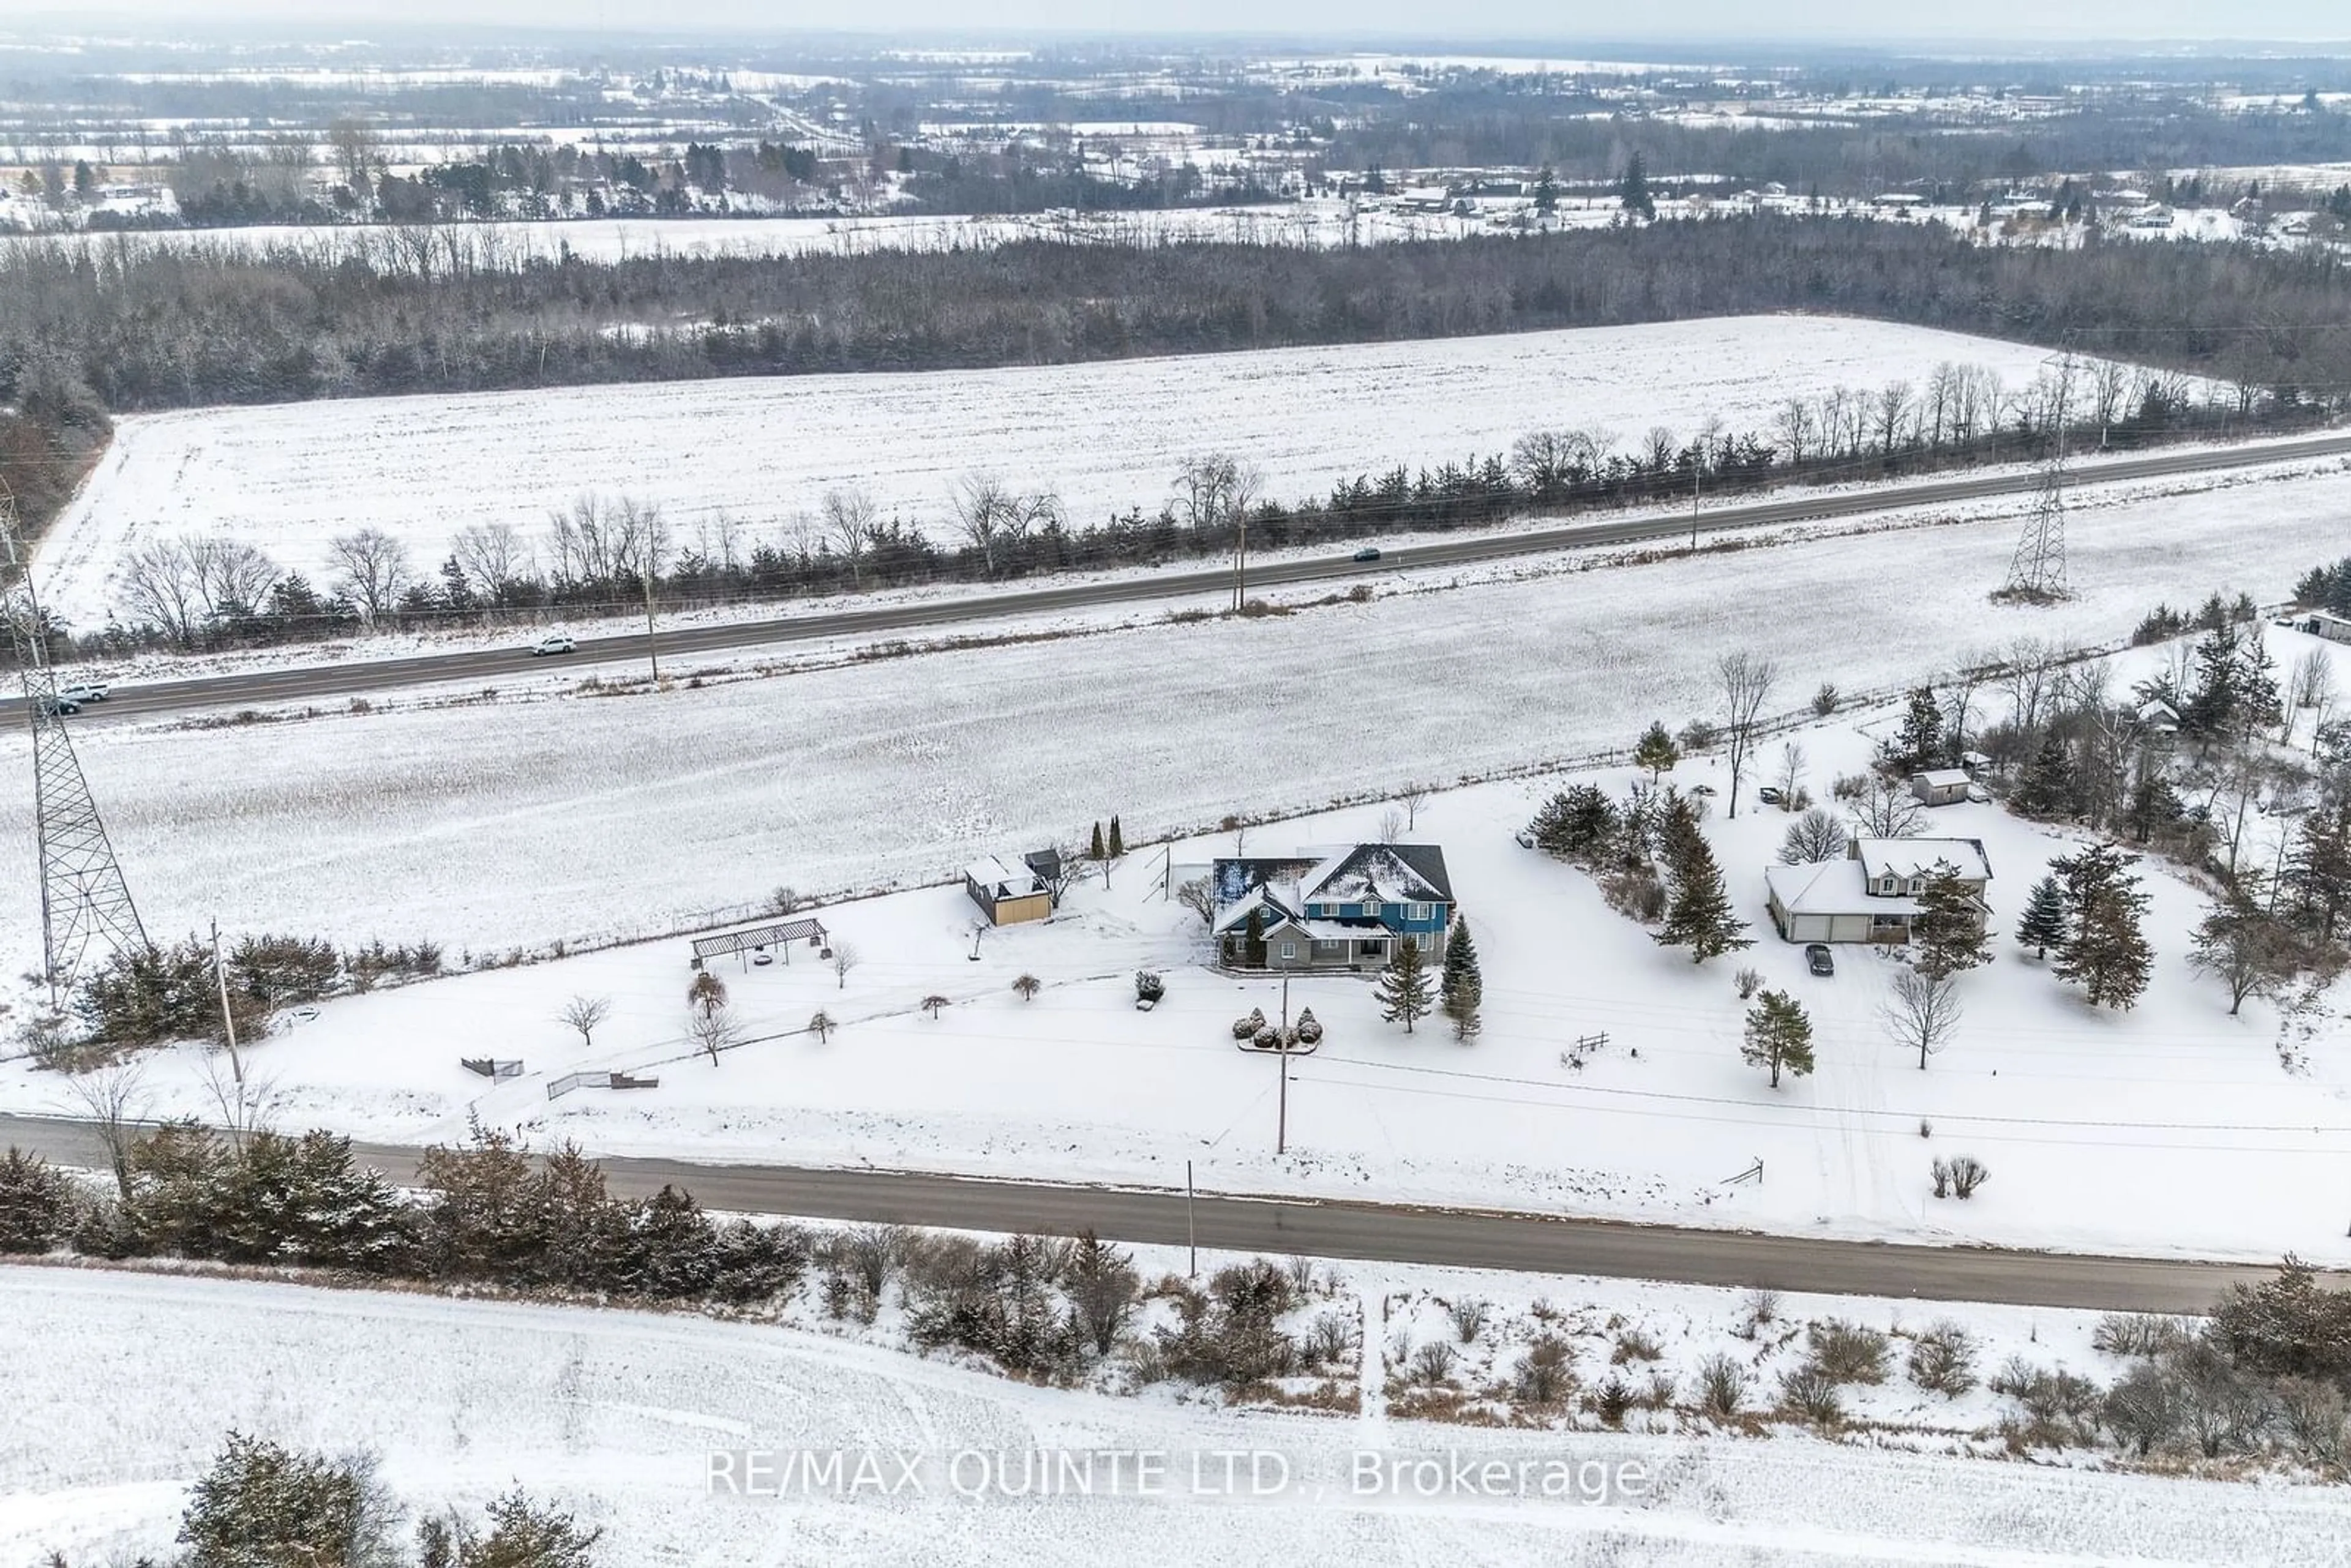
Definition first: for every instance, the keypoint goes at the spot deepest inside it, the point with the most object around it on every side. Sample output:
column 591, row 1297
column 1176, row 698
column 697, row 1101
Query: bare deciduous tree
column 1791, row 774
column 493, row 556
column 713, row 1030
column 2309, row 687
column 371, row 566
column 1921, row 1011
column 112, row 1097
column 1888, row 811
column 584, row 1013
column 162, row 588
column 849, row 516
column 844, row 958
column 1746, row 682
column 1818, row 835
column 1199, row 898
column 1412, row 801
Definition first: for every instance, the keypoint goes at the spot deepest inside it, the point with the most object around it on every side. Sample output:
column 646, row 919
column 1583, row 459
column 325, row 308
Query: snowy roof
column 1919, row 857
column 1384, row 873
column 1003, row 881
column 1944, row 777
column 1276, row 904
column 1830, row 887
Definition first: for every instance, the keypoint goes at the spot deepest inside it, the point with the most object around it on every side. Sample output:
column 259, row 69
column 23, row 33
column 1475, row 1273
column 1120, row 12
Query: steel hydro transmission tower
column 2036, row 574
column 85, row 903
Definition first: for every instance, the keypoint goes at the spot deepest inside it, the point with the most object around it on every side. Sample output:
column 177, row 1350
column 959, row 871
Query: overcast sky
column 1854, row 21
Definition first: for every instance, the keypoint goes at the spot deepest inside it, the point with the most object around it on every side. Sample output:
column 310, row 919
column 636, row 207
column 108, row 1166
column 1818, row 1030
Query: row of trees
column 153, row 327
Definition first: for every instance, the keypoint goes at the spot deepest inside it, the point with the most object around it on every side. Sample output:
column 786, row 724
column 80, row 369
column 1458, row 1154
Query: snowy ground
column 615, row 1415
column 2172, row 1128
column 1107, row 437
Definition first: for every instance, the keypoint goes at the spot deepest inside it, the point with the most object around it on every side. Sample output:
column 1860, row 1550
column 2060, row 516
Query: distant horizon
column 1689, row 28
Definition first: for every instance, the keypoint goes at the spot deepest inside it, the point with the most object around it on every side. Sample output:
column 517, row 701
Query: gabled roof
column 1831, row 887
column 1906, row 858
column 1382, row 873
column 1943, row 778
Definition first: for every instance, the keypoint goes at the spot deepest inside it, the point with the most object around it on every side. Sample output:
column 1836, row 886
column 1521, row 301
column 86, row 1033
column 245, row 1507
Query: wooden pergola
column 783, row 933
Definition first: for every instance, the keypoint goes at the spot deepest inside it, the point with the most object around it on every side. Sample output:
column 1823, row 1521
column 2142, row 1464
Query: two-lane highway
column 1397, row 1233
column 312, row 681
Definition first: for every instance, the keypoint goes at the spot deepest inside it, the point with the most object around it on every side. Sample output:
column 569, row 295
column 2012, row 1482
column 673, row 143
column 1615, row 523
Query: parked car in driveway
column 1369, row 552
column 1771, row 795
column 1819, row 959
column 553, row 642
column 1525, row 837
column 83, row 691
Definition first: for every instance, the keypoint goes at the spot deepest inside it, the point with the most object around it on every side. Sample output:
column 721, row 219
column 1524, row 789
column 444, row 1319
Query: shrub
column 1747, row 982
column 1942, row 1358
column 35, row 1204
column 1825, row 701
column 1331, row 1336
column 2060, row 1410
column 261, row 1503
column 1026, row 986
column 1809, row 1392
column 1230, row 1334
column 1636, row 893
column 1468, row 1319
column 2136, row 1334
column 1848, row 1352
column 1149, row 986
column 1433, row 1363
column 1696, row 736
column 1633, row 1344
column 1968, row 1173
column 1720, row 1388
column 2287, row 1325
column 1610, row 1400
column 1547, row 1373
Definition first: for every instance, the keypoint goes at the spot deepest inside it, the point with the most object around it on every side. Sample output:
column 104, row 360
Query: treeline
column 161, row 326
column 52, row 429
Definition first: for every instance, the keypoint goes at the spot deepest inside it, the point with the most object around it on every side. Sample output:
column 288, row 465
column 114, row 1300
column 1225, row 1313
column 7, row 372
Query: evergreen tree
column 1633, row 188
column 1656, row 751
column 2048, row 788
column 35, row 1204
column 2259, row 704
column 2217, row 696
column 1404, row 986
column 1778, row 1036
column 673, row 1250
column 263, row 1506
column 1698, row 915
column 1919, row 742
column 1948, row 936
column 2244, row 946
column 1097, row 850
column 1461, row 986
column 2320, row 870
column 1546, row 189
column 2043, row 926
column 1578, row 823
column 1253, row 938
column 2105, row 949
column 1679, row 841
column 1117, row 837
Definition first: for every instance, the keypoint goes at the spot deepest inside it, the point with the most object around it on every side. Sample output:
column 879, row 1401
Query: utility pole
column 1281, row 1055
column 652, row 643
column 1191, row 1231
column 228, row 1015
column 1240, row 564
column 1695, row 471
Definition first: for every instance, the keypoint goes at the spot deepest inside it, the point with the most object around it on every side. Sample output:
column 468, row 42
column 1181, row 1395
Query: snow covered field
column 1107, row 437
column 615, row 1415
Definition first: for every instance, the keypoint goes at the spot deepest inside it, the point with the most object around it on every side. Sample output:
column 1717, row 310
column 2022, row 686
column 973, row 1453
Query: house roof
column 1943, row 778
column 1003, row 881
column 1906, row 858
column 1830, row 887
column 1349, row 874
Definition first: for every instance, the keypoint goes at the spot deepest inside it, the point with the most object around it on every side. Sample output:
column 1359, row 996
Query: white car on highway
column 83, row 691
column 553, row 642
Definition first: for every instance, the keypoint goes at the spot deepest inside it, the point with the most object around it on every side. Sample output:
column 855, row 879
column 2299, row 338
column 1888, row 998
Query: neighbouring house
column 1008, row 893
column 1334, row 909
column 1871, row 894
column 1940, row 786
column 2324, row 623
column 2158, row 717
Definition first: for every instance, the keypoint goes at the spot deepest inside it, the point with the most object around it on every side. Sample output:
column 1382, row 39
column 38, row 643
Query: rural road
column 1380, row 1232
column 312, row 681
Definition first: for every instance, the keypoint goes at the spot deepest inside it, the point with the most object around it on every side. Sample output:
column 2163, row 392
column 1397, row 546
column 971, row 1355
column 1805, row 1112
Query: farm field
column 2173, row 1128
column 614, row 1414
column 1105, row 437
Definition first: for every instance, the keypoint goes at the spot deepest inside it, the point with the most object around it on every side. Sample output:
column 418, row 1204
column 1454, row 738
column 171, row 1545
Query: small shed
column 1940, row 786
column 1008, row 894
column 2324, row 623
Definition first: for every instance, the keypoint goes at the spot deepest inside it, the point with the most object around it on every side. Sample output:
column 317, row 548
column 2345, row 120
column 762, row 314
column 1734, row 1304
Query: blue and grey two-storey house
column 1342, row 908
